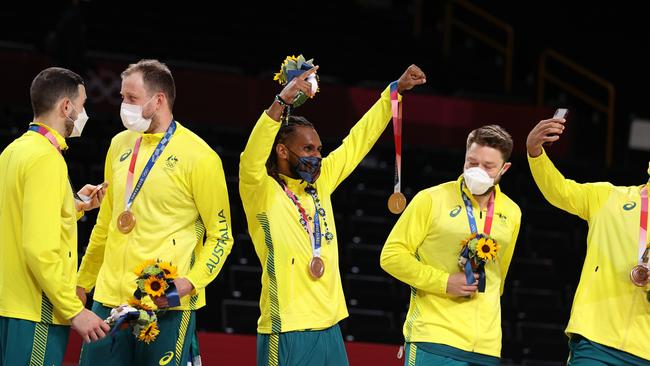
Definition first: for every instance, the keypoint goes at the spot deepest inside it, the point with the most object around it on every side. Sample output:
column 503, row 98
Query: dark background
column 366, row 43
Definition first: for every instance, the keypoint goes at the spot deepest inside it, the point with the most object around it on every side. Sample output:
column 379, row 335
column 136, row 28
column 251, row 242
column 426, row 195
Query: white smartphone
column 561, row 113
column 93, row 193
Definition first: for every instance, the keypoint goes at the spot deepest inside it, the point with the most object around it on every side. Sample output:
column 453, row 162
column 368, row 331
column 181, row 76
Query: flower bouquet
column 155, row 278
column 475, row 252
column 291, row 67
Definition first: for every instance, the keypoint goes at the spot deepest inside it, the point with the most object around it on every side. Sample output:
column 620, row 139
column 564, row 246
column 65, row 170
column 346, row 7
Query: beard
column 69, row 126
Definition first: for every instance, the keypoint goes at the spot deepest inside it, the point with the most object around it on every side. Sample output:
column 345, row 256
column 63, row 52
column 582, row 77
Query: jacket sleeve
column 400, row 258
column 252, row 163
column 506, row 258
column 46, row 185
column 94, row 256
column 579, row 199
column 340, row 163
column 211, row 198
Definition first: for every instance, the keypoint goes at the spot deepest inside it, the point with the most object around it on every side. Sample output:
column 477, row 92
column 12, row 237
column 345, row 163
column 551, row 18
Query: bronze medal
column 639, row 275
column 396, row 203
column 125, row 222
column 316, row 267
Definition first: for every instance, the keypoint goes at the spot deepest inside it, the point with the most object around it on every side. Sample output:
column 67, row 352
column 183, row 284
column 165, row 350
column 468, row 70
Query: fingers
column 306, row 74
column 100, row 332
column 469, row 288
column 303, row 86
column 417, row 75
column 87, row 189
column 99, row 329
column 93, row 337
column 105, row 327
column 547, row 130
column 99, row 197
column 161, row 302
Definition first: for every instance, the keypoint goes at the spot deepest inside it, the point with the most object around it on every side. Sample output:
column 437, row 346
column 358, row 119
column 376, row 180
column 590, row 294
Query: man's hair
column 285, row 131
column 493, row 136
column 156, row 77
column 50, row 85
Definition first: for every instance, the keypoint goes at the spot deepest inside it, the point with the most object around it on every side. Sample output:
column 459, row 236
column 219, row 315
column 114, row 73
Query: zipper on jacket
column 476, row 323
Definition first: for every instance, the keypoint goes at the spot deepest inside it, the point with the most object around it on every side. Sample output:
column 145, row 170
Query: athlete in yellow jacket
column 300, row 311
column 38, row 229
column 183, row 197
column 449, row 322
column 610, row 316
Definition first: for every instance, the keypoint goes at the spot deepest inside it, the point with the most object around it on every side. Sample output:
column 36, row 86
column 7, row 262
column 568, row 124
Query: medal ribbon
column 131, row 193
column 396, row 108
column 314, row 235
column 43, row 131
column 487, row 228
column 643, row 231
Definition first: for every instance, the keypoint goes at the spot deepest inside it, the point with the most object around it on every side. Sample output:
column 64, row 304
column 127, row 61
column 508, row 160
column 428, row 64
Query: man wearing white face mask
column 167, row 189
column 451, row 320
column 38, row 239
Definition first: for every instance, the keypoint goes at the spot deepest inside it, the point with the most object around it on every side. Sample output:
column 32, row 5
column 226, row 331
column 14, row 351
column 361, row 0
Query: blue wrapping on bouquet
column 470, row 268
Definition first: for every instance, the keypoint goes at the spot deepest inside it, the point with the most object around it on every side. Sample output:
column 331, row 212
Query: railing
column 545, row 76
column 504, row 48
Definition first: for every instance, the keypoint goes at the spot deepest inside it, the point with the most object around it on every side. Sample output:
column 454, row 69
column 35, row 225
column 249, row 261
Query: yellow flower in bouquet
column 154, row 286
column 486, row 249
column 139, row 304
column 464, row 242
column 281, row 76
column 142, row 266
column 170, row 271
column 149, row 333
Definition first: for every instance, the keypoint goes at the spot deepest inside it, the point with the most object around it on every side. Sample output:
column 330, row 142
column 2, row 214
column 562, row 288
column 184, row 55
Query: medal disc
column 316, row 267
column 396, row 203
column 639, row 275
column 125, row 222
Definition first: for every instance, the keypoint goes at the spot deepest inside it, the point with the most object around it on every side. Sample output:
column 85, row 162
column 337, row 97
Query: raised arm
column 339, row 164
column 576, row 198
column 252, row 164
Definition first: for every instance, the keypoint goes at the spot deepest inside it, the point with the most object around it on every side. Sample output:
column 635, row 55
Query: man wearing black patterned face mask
column 287, row 204
column 297, row 152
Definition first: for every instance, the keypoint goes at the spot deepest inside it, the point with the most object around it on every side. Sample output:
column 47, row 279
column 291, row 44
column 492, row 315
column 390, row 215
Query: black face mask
column 307, row 167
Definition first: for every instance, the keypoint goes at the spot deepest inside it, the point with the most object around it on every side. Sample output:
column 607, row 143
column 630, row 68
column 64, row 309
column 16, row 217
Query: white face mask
column 132, row 117
column 477, row 180
column 79, row 123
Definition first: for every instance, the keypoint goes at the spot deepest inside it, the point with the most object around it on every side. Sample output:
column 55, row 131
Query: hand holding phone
column 92, row 194
column 559, row 113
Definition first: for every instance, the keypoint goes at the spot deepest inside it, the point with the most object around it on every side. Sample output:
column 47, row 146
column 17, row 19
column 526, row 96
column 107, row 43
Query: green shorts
column 176, row 344
column 587, row 353
column 23, row 342
column 310, row 347
column 417, row 354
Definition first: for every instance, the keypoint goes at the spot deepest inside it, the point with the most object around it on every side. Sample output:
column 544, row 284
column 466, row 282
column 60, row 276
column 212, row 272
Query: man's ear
column 63, row 106
column 506, row 166
column 161, row 100
column 281, row 151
